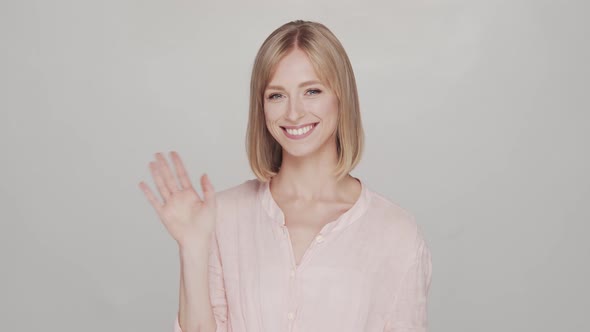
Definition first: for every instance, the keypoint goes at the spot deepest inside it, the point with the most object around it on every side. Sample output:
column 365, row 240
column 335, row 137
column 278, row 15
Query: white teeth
column 299, row 131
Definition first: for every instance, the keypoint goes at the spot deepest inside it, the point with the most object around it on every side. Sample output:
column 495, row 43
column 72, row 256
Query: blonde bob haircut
column 333, row 67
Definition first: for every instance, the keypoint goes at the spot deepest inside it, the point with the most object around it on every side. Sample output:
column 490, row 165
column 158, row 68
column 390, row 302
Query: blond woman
column 304, row 246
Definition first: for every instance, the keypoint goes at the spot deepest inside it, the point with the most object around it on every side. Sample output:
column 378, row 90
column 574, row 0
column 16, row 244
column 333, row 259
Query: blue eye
column 274, row 96
column 314, row 91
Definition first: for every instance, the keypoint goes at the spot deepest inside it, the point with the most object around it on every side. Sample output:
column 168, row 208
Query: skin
column 190, row 219
column 305, row 190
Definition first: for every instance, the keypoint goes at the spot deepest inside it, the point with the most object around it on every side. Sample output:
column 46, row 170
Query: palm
column 180, row 213
column 185, row 215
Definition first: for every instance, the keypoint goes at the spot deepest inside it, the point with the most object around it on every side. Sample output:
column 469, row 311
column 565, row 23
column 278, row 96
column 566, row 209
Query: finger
column 162, row 188
column 167, row 173
column 185, row 182
column 208, row 190
column 151, row 197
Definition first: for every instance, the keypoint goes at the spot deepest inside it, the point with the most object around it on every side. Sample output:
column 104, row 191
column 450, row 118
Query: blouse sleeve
column 409, row 313
column 216, row 290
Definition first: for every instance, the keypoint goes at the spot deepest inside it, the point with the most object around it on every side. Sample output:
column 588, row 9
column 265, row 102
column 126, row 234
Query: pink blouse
column 367, row 271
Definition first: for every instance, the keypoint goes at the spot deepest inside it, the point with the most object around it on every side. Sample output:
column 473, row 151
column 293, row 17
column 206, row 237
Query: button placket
column 295, row 270
column 292, row 292
column 292, row 303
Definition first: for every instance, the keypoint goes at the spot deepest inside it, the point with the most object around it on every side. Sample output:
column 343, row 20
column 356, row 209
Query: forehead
column 295, row 66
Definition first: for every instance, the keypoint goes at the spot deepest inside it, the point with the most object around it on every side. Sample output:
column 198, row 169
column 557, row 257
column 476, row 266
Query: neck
column 311, row 177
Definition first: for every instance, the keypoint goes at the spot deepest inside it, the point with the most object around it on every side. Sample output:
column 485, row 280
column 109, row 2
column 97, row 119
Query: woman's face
column 301, row 113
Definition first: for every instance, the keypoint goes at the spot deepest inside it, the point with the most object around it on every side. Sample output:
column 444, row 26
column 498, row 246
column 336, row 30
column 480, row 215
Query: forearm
column 195, row 313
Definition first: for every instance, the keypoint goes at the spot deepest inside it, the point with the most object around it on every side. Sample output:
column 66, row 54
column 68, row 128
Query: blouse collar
column 351, row 215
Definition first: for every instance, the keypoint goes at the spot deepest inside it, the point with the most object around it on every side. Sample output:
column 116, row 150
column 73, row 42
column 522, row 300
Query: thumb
column 208, row 190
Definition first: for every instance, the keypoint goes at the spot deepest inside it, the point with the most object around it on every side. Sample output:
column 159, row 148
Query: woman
column 305, row 246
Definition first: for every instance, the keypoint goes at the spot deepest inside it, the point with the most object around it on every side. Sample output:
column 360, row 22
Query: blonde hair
column 333, row 67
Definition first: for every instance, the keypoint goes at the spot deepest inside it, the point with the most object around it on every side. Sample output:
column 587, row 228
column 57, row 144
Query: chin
column 297, row 154
column 300, row 152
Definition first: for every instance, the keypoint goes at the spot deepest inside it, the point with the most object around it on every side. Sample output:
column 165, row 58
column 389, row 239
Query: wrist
column 193, row 245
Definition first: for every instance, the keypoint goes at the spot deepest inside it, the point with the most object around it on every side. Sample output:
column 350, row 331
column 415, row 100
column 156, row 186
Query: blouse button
column 292, row 273
column 291, row 316
column 319, row 238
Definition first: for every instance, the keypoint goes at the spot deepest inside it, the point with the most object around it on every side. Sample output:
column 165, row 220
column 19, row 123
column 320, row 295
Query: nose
column 295, row 109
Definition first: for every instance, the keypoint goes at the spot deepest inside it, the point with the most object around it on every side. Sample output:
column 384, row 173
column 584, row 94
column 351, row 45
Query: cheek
column 271, row 113
column 267, row 119
column 326, row 108
column 271, row 116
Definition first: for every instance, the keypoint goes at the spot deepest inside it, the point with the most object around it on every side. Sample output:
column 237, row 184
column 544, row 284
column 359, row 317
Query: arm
column 409, row 313
column 194, row 290
column 191, row 221
column 210, row 283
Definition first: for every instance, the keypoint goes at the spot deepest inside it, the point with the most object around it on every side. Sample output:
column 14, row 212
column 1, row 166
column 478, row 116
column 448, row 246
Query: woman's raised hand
column 186, row 216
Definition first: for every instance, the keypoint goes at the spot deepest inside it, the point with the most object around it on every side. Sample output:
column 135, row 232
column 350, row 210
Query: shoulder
column 390, row 215
column 237, row 199
column 246, row 189
column 396, row 225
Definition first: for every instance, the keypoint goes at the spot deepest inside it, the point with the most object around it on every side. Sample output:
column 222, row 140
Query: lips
column 300, row 126
column 296, row 136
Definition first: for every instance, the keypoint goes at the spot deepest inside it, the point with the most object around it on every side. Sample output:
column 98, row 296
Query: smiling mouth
column 301, row 132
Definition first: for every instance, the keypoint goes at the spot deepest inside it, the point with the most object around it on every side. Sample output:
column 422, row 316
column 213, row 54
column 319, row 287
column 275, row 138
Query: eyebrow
column 306, row 83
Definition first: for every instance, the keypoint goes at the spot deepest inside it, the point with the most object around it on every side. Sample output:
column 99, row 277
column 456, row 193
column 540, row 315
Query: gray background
column 476, row 114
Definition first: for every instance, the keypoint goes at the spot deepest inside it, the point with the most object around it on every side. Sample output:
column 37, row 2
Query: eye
column 314, row 91
column 274, row 96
